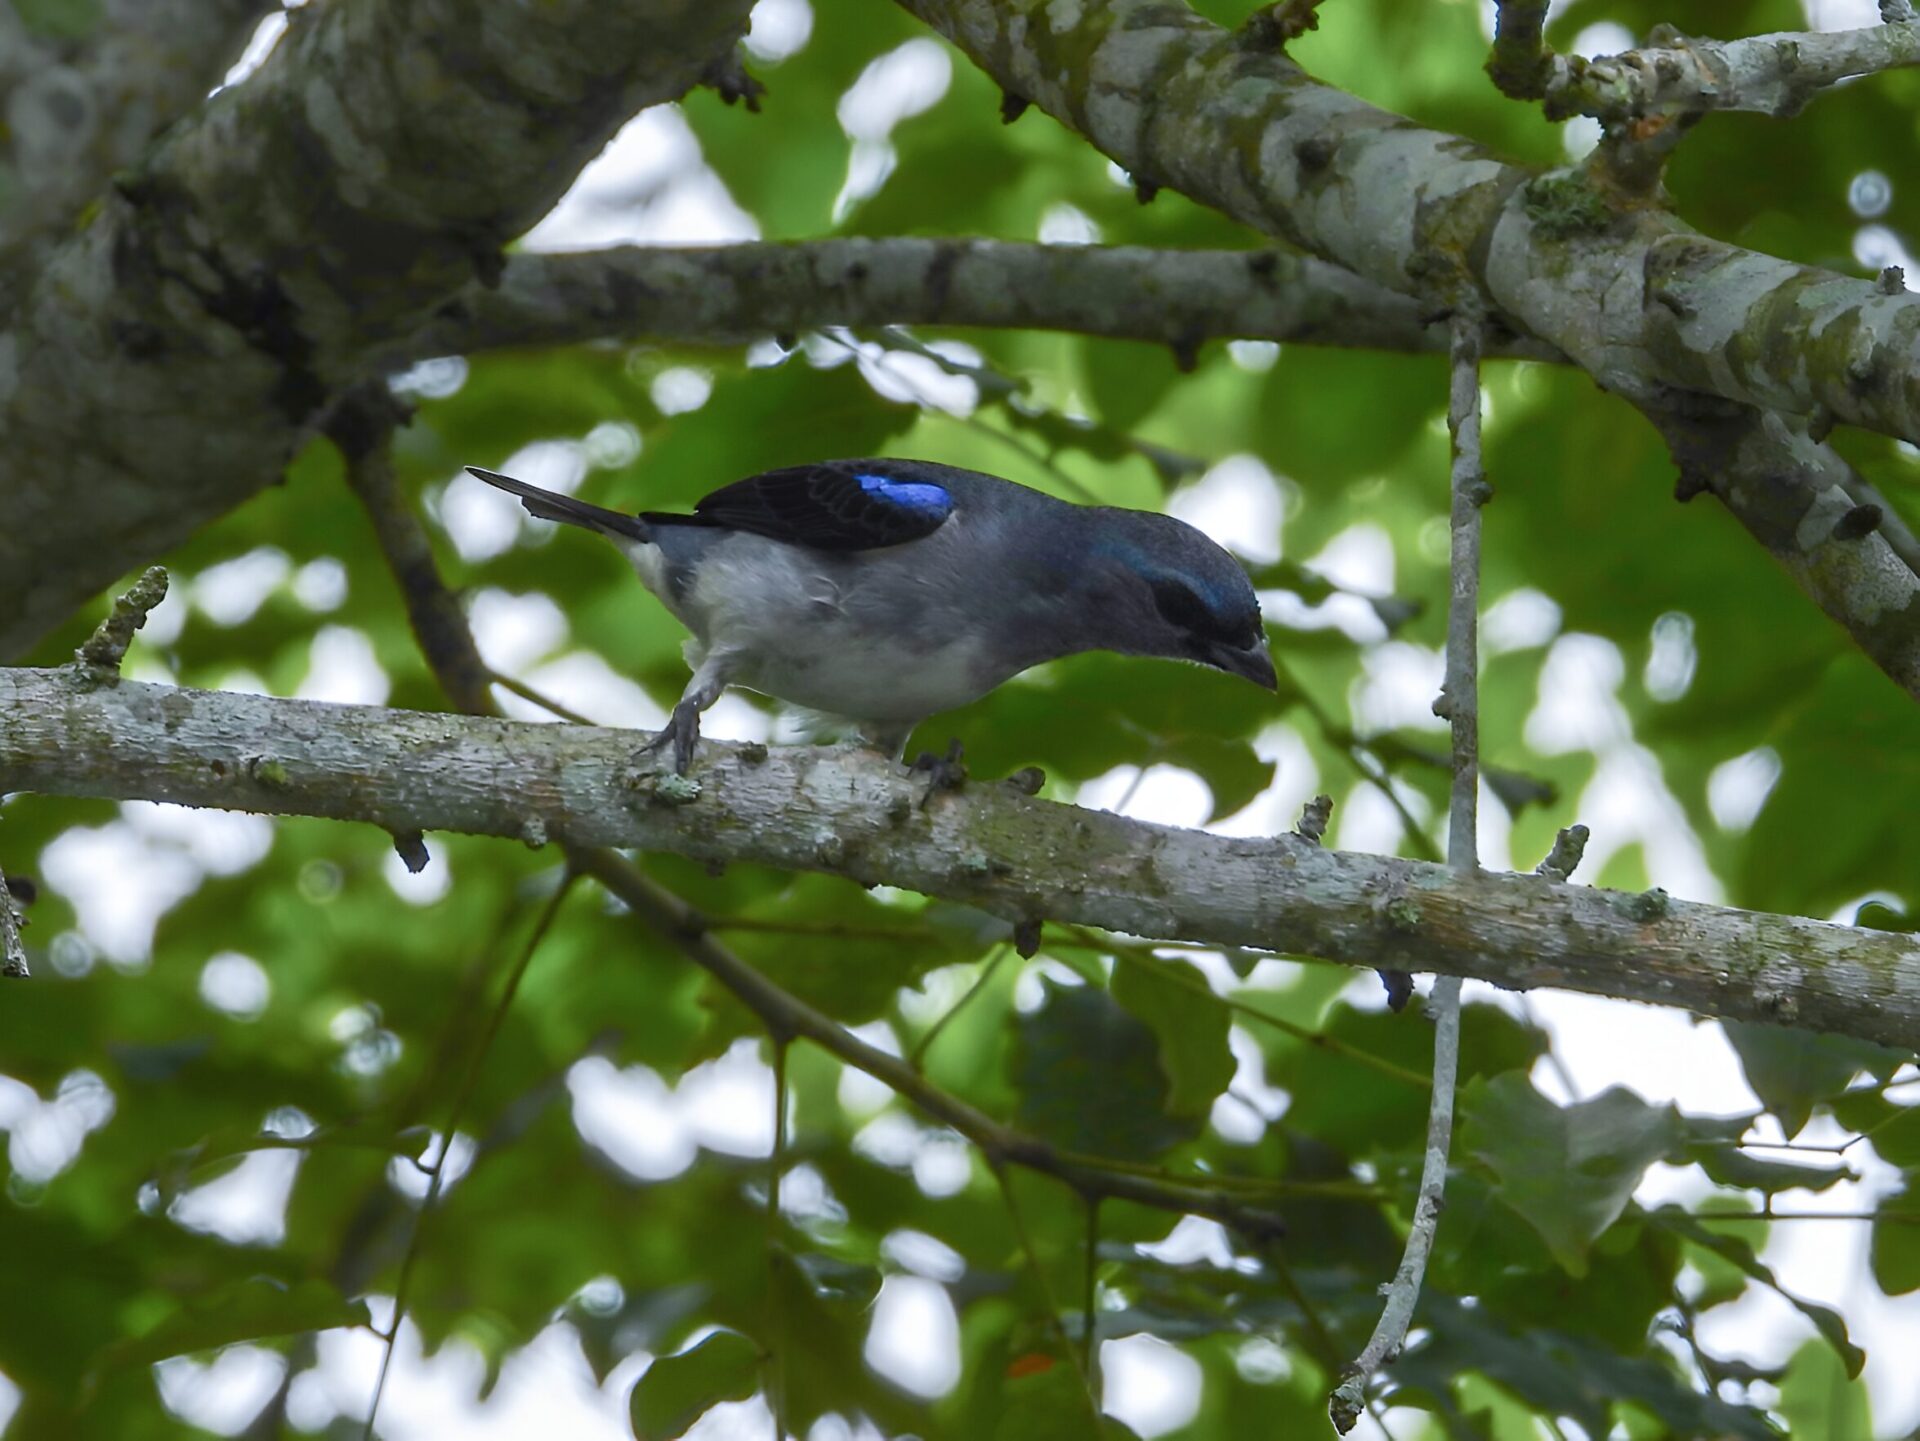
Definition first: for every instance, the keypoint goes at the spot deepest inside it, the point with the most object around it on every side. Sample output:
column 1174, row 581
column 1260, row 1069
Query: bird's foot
column 681, row 731
column 943, row 773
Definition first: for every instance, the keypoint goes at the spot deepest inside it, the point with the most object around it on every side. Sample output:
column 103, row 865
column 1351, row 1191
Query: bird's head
column 1175, row 593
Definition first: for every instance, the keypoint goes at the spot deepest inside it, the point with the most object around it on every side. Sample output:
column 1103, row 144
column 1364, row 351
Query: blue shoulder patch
column 918, row 497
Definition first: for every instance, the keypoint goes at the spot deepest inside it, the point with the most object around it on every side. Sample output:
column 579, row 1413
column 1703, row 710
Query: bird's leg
column 944, row 773
column 682, row 729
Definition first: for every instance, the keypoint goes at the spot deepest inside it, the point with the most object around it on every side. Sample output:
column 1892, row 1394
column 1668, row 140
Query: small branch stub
column 1568, row 847
column 411, row 847
column 107, row 646
column 1313, row 819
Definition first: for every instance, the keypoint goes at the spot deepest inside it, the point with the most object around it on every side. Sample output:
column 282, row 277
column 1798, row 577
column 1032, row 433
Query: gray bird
column 885, row 591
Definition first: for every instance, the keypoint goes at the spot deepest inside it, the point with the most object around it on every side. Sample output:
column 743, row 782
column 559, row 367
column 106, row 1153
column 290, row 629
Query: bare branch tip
column 1313, row 819
column 106, row 648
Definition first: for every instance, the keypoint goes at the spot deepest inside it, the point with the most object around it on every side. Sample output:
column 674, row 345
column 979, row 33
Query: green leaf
column 678, row 1390
column 1895, row 1253
column 1189, row 1022
column 1821, row 1401
column 1740, row 1253
column 1051, row 1403
column 1713, row 1142
column 1569, row 1170
column 249, row 1310
column 1127, row 380
column 1090, row 1078
column 1793, row 1070
column 1892, row 1129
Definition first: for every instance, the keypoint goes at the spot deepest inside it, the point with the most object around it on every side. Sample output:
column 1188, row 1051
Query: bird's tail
column 551, row 505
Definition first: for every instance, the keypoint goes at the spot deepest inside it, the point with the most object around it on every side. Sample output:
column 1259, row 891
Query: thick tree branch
column 816, row 809
column 1801, row 500
column 172, row 353
column 79, row 108
column 1773, row 74
column 1622, row 288
column 726, row 293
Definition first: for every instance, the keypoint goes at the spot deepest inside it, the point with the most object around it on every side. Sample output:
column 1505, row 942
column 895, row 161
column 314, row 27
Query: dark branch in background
column 1459, row 704
column 78, row 110
column 13, row 952
column 785, row 1016
column 727, row 293
column 172, row 354
column 815, row 809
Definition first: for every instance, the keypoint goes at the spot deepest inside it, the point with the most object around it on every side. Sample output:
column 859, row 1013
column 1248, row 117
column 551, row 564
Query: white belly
column 835, row 635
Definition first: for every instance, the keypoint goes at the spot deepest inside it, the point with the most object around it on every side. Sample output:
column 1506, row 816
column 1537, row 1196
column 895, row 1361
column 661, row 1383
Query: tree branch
column 727, row 293
column 805, row 808
column 1619, row 286
column 173, row 352
column 79, row 108
column 1772, row 74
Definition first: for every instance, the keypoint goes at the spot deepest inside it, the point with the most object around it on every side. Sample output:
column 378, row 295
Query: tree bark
column 171, row 354
column 724, row 294
column 70, row 732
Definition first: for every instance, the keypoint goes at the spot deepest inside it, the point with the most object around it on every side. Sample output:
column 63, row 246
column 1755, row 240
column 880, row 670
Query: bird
column 884, row 591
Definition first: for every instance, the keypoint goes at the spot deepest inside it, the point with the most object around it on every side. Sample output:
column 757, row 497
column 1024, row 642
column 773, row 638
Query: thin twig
column 1460, row 699
column 917, row 1056
column 1052, row 1307
column 436, row 1172
column 777, row 1163
column 537, row 697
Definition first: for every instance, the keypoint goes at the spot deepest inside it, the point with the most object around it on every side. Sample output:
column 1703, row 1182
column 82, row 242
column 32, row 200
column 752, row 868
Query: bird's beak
column 1252, row 664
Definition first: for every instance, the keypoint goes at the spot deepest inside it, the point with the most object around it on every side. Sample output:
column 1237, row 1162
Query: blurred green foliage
column 1655, row 636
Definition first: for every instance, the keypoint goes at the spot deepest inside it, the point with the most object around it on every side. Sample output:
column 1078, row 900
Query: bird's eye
column 1182, row 608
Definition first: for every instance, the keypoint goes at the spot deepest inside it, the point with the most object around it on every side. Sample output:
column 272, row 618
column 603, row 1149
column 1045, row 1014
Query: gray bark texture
column 174, row 350
column 723, row 294
column 1577, row 260
column 72, row 731
column 82, row 95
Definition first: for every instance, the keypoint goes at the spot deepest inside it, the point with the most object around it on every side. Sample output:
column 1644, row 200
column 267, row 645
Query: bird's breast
column 876, row 636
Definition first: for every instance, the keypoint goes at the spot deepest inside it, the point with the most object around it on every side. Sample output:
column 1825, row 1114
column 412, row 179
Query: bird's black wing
column 836, row 505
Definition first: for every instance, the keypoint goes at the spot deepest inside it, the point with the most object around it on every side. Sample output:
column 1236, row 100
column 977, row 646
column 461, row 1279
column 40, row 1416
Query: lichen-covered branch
column 174, row 350
column 1801, row 500
column 991, row 845
column 80, row 106
column 1619, row 286
column 1773, row 74
column 725, row 293
column 1730, row 322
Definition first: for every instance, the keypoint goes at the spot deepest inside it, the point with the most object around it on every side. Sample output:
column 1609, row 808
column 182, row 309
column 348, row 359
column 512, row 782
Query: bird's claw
column 681, row 731
column 944, row 773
